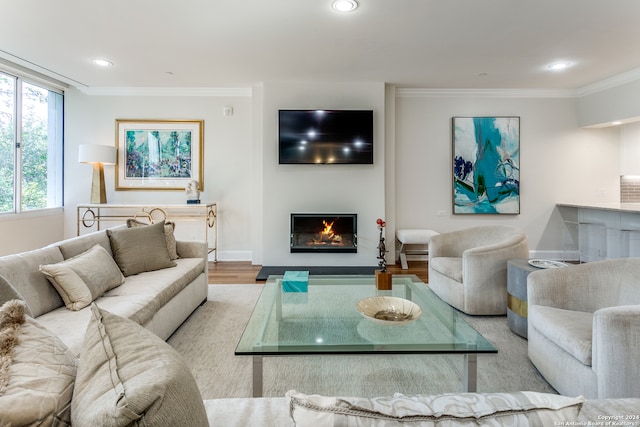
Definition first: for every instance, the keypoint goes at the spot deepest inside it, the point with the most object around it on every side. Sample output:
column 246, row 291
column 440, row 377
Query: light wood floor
column 242, row 272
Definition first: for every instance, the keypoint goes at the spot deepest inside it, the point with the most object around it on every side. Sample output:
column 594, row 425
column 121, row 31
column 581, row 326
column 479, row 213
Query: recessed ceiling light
column 559, row 66
column 616, row 123
column 344, row 5
column 102, row 62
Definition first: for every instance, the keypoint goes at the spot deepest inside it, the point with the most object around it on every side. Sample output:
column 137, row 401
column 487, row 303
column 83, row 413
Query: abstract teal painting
column 486, row 165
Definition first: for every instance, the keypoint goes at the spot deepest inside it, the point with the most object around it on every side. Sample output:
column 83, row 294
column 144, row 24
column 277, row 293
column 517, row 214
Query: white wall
column 559, row 162
column 30, row 230
column 290, row 189
column 227, row 157
column 619, row 102
column 630, row 149
column 408, row 184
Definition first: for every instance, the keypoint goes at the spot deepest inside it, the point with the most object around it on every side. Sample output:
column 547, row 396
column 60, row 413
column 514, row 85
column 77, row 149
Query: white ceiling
column 463, row 44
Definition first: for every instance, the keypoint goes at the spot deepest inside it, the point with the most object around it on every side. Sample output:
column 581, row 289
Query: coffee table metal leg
column 470, row 378
column 257, row 376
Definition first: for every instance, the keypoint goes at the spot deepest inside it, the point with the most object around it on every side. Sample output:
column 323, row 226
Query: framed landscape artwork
column 159, row 154
column 486, row 165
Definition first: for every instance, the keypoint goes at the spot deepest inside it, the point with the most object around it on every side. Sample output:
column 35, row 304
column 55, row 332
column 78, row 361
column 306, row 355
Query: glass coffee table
column 325, row 321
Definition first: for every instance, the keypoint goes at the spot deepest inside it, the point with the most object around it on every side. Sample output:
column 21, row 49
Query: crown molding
column 166, row 91
column 15, row 65
column 485, row 93
column 611, row 82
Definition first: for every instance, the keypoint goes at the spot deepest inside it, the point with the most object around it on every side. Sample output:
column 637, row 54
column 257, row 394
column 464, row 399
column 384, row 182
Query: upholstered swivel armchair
column 584, row 327
column 468, row 268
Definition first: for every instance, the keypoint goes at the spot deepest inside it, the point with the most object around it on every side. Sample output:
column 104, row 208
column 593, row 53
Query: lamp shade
column 97, row 153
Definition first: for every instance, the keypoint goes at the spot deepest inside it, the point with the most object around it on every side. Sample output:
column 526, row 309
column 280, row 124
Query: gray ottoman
column 517, row 272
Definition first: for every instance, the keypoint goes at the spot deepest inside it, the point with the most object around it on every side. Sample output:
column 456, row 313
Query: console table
column 203, row 216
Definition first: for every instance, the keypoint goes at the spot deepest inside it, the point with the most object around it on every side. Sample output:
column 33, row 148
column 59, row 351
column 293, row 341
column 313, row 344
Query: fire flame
column 327, row 236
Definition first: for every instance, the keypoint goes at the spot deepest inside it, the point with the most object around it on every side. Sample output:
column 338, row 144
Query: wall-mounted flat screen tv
column 325, row 136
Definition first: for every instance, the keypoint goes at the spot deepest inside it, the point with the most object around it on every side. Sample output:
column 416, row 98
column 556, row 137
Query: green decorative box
column 295, row 281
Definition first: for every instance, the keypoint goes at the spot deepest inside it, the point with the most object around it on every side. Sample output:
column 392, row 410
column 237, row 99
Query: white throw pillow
column 461, row 409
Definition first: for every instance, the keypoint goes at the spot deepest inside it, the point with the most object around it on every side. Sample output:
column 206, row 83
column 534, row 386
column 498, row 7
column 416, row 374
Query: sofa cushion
column 570, row 330
column 415, row 236
column 448, row 266
column 21, row 270
column 463, row 409
column 79, row 244
column 85, row 277
column 264, row 411
column 37, row 371
column 245, row 411
column 618, row 411
column 128, row 375
column 160, row 285
column 140, row 249
column 132, row 307
column 169, row 234
column 8, row 293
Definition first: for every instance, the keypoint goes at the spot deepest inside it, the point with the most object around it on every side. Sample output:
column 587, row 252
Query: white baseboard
column 415, row 257
column 232, row 256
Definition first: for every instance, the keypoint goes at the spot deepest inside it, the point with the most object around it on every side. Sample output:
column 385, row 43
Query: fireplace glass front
column 324, row 233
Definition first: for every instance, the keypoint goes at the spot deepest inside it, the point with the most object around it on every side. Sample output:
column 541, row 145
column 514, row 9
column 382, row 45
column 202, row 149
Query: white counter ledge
column 619, row 207
column 602, row 230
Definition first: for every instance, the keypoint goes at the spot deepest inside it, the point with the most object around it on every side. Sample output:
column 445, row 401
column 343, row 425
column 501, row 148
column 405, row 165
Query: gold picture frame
column 159, row 154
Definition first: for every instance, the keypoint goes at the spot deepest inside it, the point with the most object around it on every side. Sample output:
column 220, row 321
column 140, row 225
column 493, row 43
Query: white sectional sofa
column 465, row 409
column 160, row 299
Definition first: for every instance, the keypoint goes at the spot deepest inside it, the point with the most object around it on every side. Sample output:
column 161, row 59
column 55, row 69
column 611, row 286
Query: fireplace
column 324, row 233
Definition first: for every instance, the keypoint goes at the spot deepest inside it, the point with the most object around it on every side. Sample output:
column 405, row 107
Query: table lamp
column 98, row 155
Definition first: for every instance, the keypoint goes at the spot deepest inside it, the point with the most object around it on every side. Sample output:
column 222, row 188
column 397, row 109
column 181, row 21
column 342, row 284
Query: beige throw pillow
column 85, row 277
column 37, row 371
column 129, row 376
column 169, row 235
column 520, row 409
column 140, row 249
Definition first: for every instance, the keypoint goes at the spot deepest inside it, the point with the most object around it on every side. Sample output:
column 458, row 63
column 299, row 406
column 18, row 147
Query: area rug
column 207, row 341
column 265, row 272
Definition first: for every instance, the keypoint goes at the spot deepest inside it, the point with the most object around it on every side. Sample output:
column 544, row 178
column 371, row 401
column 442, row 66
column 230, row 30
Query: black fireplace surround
column 324, row 233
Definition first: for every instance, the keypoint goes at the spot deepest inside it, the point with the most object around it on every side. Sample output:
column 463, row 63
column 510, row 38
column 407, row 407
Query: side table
column 517, row 272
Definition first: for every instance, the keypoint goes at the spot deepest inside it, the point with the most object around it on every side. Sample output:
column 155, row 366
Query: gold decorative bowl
column 389, row 310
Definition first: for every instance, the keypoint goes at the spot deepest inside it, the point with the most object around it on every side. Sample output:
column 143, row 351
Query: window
column 31, row 146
